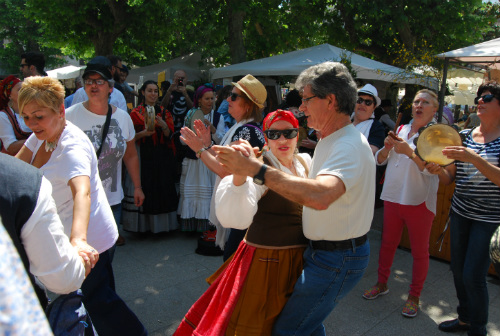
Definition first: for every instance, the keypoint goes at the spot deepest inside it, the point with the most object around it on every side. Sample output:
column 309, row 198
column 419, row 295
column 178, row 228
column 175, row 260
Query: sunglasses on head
column 276, row 134
column 486, row 98
column 368, row 102
column 234, row 96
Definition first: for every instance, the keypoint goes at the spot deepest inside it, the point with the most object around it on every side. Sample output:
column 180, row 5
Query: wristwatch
column 259, row 178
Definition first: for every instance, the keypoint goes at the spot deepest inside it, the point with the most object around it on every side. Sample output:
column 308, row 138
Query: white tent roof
column 67, row 72
column 189, row 63
column 293, row 63
column 485, row 53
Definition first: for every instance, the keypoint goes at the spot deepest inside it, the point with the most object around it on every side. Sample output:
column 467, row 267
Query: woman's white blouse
column 235, row 206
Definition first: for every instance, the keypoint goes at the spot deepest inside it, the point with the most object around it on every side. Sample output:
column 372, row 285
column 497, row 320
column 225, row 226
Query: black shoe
column 453, row 326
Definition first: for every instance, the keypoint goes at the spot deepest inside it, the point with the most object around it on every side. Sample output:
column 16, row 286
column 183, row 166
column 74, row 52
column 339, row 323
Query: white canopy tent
column 293, row 63
column 484, row 55
column 67, row 72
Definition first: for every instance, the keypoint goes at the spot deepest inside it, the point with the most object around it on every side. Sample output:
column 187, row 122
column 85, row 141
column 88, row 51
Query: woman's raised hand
column 203, row 132
column 191, row 139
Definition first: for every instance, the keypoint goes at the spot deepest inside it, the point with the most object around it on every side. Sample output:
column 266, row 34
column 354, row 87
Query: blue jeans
column 470, row 260
column 327, row 277
column 109, row 314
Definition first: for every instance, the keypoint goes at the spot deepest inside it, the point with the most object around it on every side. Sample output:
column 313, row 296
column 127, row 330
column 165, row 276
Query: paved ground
column 160, row 276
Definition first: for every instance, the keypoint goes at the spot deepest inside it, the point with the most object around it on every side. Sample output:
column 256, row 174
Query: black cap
column 100, row 65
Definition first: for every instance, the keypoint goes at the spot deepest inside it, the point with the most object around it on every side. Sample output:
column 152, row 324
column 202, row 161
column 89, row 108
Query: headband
column 200, row 92
column 278, row 115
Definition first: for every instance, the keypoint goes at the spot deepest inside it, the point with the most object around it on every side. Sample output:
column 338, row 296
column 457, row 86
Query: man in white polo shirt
column 338, row 198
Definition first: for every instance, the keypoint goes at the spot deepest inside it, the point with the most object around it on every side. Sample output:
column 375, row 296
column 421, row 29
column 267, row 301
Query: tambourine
column 191, row 117
column 433, row 139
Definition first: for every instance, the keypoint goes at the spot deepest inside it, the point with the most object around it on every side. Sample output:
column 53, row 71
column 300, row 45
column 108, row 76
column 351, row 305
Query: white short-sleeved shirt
column 7, row 135
column 347, row 155
column 75, row 156
column 115, row 98
column 404, row 182
column 121, row 130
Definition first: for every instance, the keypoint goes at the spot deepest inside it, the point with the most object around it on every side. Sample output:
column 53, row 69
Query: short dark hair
column 114, row 59
column 492, row 86
column 35, row 58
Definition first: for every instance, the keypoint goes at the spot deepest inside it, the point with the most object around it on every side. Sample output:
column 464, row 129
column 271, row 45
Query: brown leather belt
column 329, row 245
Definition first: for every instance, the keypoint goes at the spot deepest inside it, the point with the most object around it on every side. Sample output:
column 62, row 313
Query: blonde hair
column 434, row 96
column 45, row 91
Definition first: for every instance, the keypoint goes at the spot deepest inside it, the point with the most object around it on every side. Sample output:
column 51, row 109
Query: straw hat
column 253, row 89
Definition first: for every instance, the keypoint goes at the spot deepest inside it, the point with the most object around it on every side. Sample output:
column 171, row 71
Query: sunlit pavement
column 160, row 276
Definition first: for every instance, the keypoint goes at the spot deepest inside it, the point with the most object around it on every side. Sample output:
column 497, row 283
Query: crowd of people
column 292, row 226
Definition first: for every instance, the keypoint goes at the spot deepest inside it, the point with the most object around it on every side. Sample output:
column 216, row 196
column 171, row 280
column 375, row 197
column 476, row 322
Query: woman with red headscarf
column 197, row 181
column 249, row 291
column 13, row 130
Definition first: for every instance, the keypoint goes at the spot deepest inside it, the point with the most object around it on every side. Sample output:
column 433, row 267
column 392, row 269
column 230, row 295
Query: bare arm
column 131, row 160
column 80, row 189
column 465, row 154
column 316, row 193
column 25, row 154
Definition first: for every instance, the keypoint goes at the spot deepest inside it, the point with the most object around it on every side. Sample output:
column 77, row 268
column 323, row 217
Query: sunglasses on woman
column 486, row 98
column 368, row 102
column 276, row 134
column 234, row 96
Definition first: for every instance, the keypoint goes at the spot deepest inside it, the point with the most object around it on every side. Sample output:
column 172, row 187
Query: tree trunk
column 235, row 30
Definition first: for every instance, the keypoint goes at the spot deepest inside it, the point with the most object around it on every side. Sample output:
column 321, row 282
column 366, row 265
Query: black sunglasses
column 234, row 96
column 276, row 134
column 368, row 102
column 486, row 98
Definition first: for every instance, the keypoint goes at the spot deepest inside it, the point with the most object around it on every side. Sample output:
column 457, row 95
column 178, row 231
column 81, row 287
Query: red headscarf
column 6, row 88
column 277, row 115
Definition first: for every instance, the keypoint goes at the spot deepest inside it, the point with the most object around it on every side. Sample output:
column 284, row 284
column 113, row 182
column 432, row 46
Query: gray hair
column 330, row 78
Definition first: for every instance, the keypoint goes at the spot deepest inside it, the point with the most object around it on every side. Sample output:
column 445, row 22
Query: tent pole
column 443, row 90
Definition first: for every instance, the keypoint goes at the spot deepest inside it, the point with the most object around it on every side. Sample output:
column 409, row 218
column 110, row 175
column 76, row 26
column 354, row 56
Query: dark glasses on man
column 234, row 96
column 276, row 134
column 486, row 98
column 368, row 102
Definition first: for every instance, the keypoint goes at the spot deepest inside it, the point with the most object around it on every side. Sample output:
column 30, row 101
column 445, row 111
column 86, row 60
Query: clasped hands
column 87, row 253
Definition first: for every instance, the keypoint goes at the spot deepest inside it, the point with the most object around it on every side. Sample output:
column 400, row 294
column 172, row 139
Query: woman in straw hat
column 13, row 130
column 256, row 282
column 245, row 103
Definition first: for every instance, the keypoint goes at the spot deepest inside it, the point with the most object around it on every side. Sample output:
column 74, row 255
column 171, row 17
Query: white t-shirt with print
column 75, row 156
column 121, row 130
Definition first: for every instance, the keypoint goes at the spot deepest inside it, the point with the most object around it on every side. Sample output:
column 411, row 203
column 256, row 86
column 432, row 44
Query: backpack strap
column 104, row 131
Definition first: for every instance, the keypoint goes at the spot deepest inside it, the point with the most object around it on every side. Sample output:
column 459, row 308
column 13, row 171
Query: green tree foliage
column 20, row 34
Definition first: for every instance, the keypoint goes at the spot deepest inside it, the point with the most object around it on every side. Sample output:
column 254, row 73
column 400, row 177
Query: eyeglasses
column 23, row 65
column 368, row 102
column 276, row 134
column 305, row 101
column 486, row 98
column 95, row 81
column 234, row 96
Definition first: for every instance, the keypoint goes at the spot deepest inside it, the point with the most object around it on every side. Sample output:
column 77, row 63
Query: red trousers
column 418, row 219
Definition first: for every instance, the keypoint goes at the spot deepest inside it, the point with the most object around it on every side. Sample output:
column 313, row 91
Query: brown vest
column 277, row 223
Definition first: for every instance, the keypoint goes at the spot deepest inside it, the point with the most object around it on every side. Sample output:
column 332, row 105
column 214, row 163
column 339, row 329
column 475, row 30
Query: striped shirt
column 475, row 196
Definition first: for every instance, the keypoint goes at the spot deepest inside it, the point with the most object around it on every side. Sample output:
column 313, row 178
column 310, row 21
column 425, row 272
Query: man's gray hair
column 330, row 78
